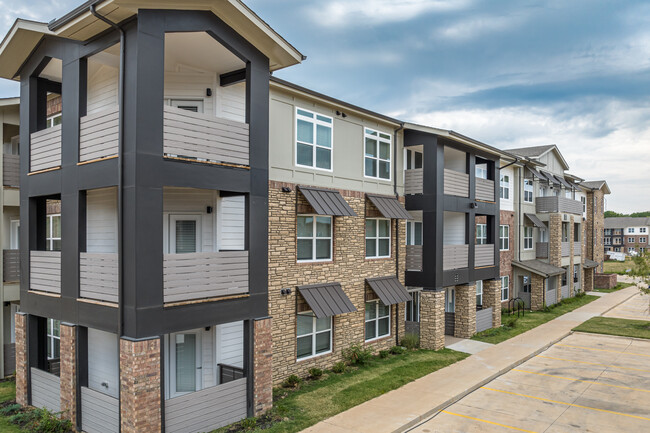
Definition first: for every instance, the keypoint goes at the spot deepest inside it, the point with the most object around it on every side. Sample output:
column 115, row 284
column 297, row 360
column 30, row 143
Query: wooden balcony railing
column 98, row 276
column 456, row 183
column 413, row 181
column 45, row 271
column 455, row 257
column 11, row 170
column 484, row 255
column 484, row 189
column 558, row 204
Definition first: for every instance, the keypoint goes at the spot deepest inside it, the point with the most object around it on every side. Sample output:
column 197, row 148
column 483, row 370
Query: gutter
column 75, row 13
column 396, row 231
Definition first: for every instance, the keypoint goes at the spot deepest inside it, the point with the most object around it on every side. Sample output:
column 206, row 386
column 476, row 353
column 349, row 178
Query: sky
column 510, row 73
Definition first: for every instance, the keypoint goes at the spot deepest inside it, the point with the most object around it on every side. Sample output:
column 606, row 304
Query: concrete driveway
column 584, row 383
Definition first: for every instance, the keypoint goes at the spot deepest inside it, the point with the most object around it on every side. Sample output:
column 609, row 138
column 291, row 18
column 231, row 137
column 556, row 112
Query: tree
column 642, row 271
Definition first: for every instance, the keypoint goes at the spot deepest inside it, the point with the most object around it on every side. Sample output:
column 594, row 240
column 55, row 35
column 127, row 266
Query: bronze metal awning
column 389, row 290
column 326, row 201
column 327, row 299
column 389, row 207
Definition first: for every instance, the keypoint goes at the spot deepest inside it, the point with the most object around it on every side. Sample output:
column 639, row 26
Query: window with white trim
column 608, row 241
column 505, row 288
column 504, row 237
column 53, row 232
column 377, row 237
column 630, row 250
column 479, row 293
column 314, row 336
column 504, row 189
column 377, row 156
column 377, row 320
column 412, row 313
column 481, row 234
column 630, row 240
column 53, row 339
column 608, row 232
column 413, row 159
column 528, row 190
column 583, row 200
column 643, row 229
column 642, row 240
column 313, row 140
column 528, row 238
column 413, row 233
column 630, row 230
column 314, row 238
column 54, row 120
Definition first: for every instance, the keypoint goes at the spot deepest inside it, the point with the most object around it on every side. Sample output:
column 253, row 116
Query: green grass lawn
column 615, row 267
column 317, row 400
column 531, row 320
column 613, row 326
column 618, row 287
column 7, row 393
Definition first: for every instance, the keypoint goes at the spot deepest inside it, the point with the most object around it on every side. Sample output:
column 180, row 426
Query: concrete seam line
column 616, row 305
column 612, row 335
column 421, row 419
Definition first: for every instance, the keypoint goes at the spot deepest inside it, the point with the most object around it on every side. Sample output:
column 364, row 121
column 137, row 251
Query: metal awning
column 536, row 173
column 564, row 182
column 389, row 290
column 327, row 299
column 389, row 207
column 326, row 201
column 536, row 221
column 540, row 268
column 551, row 178
column 589, row 264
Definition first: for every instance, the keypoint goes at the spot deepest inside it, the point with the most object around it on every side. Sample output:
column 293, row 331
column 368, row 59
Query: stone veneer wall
column 589, row 280
column 506, row 257
column 595, row 227
column 262, row 366
column 432, row 319
column 555, row 239
column 140, row 386
column 465, row 317
column 492, row 298
column 68, row 372
column 21, row 358
column 537, row 290
column 349, row 267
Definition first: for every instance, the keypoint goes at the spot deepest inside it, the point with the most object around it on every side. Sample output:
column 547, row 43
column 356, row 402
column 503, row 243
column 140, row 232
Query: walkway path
column 407, row 406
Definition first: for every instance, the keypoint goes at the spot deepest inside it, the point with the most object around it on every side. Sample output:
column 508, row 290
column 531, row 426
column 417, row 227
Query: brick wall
column 21, row 358
column 465, row 317
column 506, row 257
column 595, row 228
column 262, row 366
column 140, row 386
column 588, row 280
column 605, row 281
column 69, row 372
column 349, row 267
column 555, row 239
column 54, row 106
column 432, row 320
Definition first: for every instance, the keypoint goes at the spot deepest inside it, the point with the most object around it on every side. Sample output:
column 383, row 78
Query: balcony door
column 184, row 233
column 15, row 234
column 185, row 368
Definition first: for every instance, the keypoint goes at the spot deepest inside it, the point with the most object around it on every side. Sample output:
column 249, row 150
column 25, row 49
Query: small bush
column 410, row 341
column 10, row 410
column 384, row 354
column 41, row 421
column 580, row 294
column 356, row 355
column 315, row 373
column 511, row 322
column 339, row 367
column 248, row 423
column 291, row 381
column 397, row 350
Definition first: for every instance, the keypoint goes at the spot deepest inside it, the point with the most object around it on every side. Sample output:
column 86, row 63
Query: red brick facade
column 605, row 281
column 54, row 106
column 69, row 372
column 21, row 358
column 262, row 366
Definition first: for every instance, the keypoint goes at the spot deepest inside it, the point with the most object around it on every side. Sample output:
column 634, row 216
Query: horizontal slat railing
column 98, row 276
column 46, row 390
column 100, row 412
column 455, row 257
column 484, row 255
column 558, row 204
column 484, row 189
column 577, row 248
column 11, row 265
column 45, row 149
column 99, row 134
column 566, row 249
column 413, row 181
column 542, row 250
column 204, row 138
column 45, row 271
column 456, row 183
column 483, row 319
column 204, row 275
column 11, row 170
column 414, row 257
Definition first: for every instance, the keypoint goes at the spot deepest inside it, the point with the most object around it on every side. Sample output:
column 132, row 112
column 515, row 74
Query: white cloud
column 478, row 26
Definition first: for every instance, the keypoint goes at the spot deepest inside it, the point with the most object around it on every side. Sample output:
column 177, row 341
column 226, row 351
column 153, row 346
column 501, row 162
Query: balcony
column 542, row 250
column 557, row 204
column 414, row 257
column 199, row 137
column 11, row 170
column 577, row 248
column 455, row 257
column 456, row 183
column 413, row 181
column 484, row 255
column 11, row 266
column 45, row 271
column 484, row 189
column 566, row 249
column 99, row 135
column 98, row 276
column 45, row 149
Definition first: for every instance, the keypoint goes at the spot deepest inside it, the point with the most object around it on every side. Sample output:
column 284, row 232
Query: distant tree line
column 612, row 214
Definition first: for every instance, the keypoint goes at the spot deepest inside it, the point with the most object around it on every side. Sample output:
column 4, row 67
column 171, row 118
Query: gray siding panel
column 455, row 257
column 207, row 409
column 577, row 249
column 565, row 291
column 197, row 136
column 204, row 275
column 566, row 249
column 414, row 257
column 558, row 204
column 98, row 134
column 483, row 319
column 45, row 271
column 10, row 358
column 551, row 297
column 45, row 149
column 11, row 170
column 413, row 181
column 484, row 189
column 542, row 250
column 484, row 255
column 11, row 265
column 456, row 183
column 99, row 412
column 98, row 276
column 46, row 390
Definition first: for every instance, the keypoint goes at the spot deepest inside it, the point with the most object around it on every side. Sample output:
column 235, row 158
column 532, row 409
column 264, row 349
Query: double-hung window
column 377, row 320
column 505, row 288
column 53, row 339
column 377, row 156
column 642, row 240
column 53, row 233
column 528, row 238
column 479, row 293
column 504, row 237
column 630, row 230
column 314, row 238
column 643, row 230
column 504, row 190
column 413, row 233
column 528, row 190
column 481, row 234
column 314, row 336
column 630, row 240
column 313, row 140
column 377, row 237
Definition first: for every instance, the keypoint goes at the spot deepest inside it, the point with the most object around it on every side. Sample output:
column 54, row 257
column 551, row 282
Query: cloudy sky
column 511, row 73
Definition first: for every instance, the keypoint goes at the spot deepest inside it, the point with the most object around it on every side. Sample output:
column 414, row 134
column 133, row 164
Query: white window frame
column 528, row 190
column 171, row 372
column 643, row 230
column 314, row 238
column 51, row 337
column 182, row 103
column 479, row 292
column 504, row 187
column 410, row 232
column 481, row 171
column 412, row 307
column 504, row 240
column 608, row 241
column 376, row 320
column 49, row 237
column 528, row 238
column 410, row 159
column 171, row 239
column 377, row 136
column 642, row 240
column 505, row 287
column 630, row 249
column 377, row 238
column 49, row 123
column 481, row 235
column 313, row 335
column 630, row 240
column 630, row 230
column 583, row 200
column 315, row 121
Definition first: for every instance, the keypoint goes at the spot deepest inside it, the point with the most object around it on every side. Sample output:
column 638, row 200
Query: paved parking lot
column 635, row 308
column 584, row 383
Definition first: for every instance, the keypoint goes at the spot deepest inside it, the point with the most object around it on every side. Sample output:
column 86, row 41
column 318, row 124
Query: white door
column 103, row 362
column 188, row 104
column 184, row 234
column 184, row 363
column 15, row 234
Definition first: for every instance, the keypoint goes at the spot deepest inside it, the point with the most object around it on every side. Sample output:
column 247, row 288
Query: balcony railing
column 455, row 257
column 558, row 204
column 413, row 181
column 98, row 276
column 566, row 249
column 45, row 271
column 414, row 257
column 577, row 248
column 98, row 134
column 45, row 149
column 10, row 265
column 203, row 138
column 484, row 255
column 456, row 183
column 11, row 170
column 484, row 189
column 204, row 275
column 542, row 250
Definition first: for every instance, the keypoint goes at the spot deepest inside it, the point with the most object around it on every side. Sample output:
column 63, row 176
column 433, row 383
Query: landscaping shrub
column 397, row 350
column 356, row 355
column 511, row 322
column 410, row 341
column 40, row 421
column 339, row 367
column 384, row 354
column 315, row 373
column 291, row 381
column 10, row 409
column 580, row 294
column 248, row 423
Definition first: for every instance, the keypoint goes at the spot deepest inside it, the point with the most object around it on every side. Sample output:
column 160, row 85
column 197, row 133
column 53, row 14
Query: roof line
column 74, row 13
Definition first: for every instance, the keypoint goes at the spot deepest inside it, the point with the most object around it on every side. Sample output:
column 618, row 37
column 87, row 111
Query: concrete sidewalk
column 413, row 403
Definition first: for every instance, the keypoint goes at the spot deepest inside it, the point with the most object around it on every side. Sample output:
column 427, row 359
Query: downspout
column 401, row 126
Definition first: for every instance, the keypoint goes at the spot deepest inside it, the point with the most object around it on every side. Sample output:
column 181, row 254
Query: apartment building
column 155, row 290
column 626, row 234
column 9, row 228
